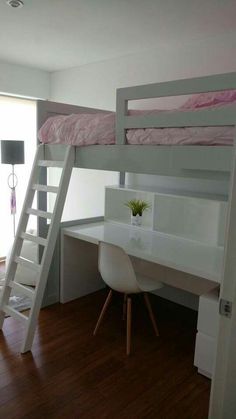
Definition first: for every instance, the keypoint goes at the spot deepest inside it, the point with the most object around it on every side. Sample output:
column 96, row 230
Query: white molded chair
column 118, row 273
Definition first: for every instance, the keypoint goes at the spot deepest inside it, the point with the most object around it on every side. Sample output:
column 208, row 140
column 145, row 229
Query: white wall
column 18, row 80
column 86, row 193
column 95, row 85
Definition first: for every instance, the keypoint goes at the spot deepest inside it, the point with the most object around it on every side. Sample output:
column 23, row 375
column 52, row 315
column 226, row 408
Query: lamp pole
column 12, row 183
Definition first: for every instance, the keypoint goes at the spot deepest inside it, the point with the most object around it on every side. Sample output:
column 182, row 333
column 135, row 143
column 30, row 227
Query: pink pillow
column 202, row 100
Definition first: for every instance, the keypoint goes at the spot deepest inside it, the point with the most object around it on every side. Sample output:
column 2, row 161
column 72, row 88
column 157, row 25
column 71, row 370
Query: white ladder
column 40, row 269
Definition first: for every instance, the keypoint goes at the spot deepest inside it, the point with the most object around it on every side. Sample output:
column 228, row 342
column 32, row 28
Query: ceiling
column 58, row 34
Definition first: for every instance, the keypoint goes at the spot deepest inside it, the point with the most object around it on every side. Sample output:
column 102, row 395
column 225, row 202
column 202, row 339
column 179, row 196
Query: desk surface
column 174, row 252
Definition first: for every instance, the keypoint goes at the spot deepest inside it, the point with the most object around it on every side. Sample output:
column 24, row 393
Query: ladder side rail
column 18, row 241
column 49, row 249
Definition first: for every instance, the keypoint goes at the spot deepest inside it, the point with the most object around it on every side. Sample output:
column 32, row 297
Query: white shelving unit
column 116, row 211
column 194, row 216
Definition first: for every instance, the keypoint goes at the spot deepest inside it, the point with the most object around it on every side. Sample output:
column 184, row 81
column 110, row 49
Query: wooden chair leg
column 106, row 304
column 151, row 315
column 128, row 331
column 124, row 306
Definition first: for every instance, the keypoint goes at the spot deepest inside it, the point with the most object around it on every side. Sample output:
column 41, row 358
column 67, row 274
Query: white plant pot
column 136, row 220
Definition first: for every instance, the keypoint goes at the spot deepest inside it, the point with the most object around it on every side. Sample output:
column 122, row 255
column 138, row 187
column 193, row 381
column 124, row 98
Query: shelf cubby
column 194, row 216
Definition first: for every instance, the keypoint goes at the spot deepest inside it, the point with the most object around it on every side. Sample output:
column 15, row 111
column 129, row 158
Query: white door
column 223, row 390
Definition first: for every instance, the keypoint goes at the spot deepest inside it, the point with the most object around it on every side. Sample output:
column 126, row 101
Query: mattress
column 90, row 129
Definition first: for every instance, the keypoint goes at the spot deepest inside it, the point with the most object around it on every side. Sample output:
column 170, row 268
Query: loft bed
column 186, row 161
column 209, row 162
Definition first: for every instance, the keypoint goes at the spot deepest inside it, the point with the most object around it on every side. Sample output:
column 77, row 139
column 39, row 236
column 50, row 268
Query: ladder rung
column 27, row 263
column 38, row 213
column 35, row 239
column 50, row 163
column 45, row 188
column 15, row 314
column 30, row 292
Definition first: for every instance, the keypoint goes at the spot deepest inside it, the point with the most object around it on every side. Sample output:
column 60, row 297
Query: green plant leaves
column 137, row 206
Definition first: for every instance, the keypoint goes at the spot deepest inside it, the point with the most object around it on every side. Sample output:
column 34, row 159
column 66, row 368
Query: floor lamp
column 12, row 152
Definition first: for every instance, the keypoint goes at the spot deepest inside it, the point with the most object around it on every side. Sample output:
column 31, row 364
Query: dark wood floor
column 71, row 374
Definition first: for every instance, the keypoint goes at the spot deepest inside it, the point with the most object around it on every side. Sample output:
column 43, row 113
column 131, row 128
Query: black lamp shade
column 12, row 152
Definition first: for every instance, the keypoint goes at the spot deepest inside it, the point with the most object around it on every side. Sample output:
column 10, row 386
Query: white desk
column 182, row 263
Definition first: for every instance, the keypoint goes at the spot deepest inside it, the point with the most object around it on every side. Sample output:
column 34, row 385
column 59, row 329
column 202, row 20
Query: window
column 17, row 122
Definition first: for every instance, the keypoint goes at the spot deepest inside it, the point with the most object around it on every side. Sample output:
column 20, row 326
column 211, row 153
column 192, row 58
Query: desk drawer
column 208, row 314
column 205, row 351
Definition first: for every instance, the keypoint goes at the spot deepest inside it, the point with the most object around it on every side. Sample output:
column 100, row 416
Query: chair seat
column 148, row 284
column 118, row 273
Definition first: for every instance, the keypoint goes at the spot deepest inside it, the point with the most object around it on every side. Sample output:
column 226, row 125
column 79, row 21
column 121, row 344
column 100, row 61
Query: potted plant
column 137, row 206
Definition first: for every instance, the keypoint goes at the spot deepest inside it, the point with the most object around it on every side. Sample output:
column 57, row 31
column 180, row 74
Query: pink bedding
column 182, row 136
column 203, row 100
column 90, row 129
column 79, row 129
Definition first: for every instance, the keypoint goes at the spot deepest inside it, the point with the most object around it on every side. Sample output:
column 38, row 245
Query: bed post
column 41, row 197
column 121, row 112
column 42, row 225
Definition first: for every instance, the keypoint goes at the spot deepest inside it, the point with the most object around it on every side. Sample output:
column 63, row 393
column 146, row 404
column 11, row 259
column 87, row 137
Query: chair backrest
column 116, row 268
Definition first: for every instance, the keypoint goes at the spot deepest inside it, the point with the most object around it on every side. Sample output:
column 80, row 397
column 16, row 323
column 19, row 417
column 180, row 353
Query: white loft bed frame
column 207, row 162
column 186, row 161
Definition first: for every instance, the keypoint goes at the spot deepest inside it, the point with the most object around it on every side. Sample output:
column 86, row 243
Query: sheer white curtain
column 17, row 122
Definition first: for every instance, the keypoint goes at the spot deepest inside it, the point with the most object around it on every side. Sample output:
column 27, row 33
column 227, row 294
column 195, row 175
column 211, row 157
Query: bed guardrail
column 208, row 117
